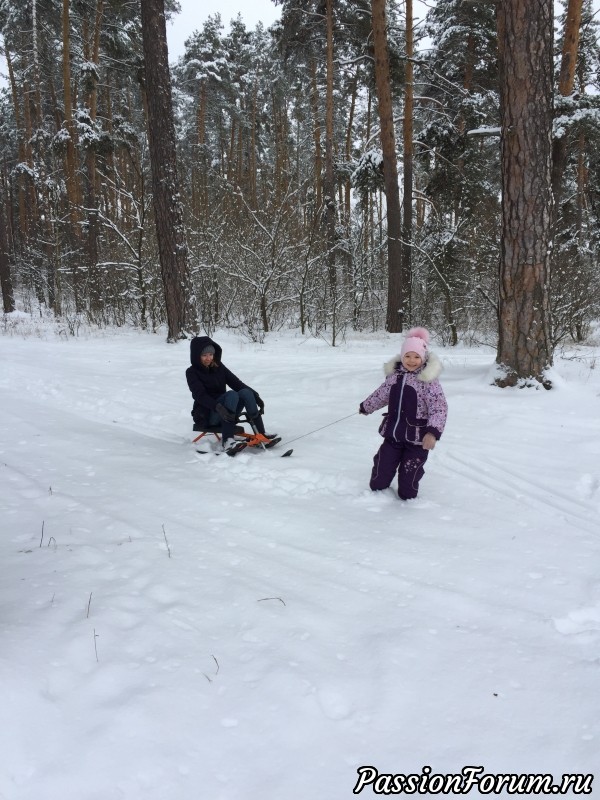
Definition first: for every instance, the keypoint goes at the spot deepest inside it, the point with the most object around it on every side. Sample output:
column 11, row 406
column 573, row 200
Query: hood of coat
column 198, row 344
column 427, row 373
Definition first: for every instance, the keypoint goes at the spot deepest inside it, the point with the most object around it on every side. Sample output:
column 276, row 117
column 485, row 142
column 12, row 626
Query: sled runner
column 243, row 438
column 241, row 445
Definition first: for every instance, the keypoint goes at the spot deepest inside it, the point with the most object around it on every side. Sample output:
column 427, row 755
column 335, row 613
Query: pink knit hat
column 416, row 342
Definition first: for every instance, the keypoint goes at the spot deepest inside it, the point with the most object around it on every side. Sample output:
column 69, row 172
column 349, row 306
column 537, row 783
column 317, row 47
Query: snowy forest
column 340, row 169
column 176, row 624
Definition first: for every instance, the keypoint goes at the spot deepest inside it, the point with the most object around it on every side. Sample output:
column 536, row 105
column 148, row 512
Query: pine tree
column 526, row 86
column 166, row 199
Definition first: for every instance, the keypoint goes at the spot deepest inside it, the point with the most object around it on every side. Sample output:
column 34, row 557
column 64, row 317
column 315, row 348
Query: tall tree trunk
column 34, row 223
column 329, row 185
column 582, row 175
column 46, row 222
column 407, row 156
column 252, row 158
column 109, row 186
column 73, row 200
column 168, row 212
column 565, row 87
column 348, row 148
column 32, row 214
column 525, row 39
column 8, row 295
column 91, row 200
column 368, row 238
column 314, row 96
column 71, row 179
column 21, row 134
column 201, row 183
column 347, row 199
column 397, row 291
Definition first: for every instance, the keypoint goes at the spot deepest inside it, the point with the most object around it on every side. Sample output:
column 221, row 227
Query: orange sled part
column 253, row 439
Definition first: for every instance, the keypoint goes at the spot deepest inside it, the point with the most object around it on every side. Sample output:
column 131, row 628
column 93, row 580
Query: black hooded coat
column 207, row 384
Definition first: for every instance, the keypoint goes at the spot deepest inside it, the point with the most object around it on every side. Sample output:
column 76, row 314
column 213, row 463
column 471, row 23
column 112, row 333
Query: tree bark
column 565, row 87
column 8, row 295
column 525, row 37
column 570, row 47
column 329, row 186
column 396, row 301
column 314, row 97
column 71, row 179
column 73, row 196
column 91, row 195
column 407, row 158
column 346, row 199
column 252, row 168
column 168, row 212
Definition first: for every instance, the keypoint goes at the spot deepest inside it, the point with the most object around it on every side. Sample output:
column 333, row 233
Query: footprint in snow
column 587, row 486
column 583, row 622
column 375, row 501
column 333, row 705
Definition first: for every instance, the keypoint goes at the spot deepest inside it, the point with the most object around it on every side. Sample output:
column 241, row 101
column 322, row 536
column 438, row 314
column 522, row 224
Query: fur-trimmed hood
column 431, row 370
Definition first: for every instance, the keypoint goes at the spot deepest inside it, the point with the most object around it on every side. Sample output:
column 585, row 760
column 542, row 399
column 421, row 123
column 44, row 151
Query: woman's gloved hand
column 225, row 414
column 259, row 402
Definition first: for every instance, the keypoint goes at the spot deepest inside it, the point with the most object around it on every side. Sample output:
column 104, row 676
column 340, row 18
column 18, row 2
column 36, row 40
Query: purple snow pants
column 407, row 459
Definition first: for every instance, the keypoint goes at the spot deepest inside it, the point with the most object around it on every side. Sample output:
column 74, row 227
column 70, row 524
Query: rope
column 304, row 435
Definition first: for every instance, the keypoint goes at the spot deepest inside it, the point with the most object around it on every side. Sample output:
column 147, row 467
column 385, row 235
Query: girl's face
column 411, row 361
column 206, row 359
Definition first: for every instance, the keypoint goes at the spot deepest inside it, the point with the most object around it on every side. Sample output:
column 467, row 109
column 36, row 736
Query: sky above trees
column 193, row 15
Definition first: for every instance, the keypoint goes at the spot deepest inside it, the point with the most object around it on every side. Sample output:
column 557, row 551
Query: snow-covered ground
column 182, row 627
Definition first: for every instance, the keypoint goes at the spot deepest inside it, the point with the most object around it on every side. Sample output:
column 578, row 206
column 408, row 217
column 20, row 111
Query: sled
column 253, row 439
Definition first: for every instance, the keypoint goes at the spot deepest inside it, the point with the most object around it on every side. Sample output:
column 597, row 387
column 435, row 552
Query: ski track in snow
column 257, row 627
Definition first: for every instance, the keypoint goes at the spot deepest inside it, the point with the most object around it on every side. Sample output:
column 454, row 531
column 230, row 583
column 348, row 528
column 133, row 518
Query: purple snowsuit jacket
column 415, row 400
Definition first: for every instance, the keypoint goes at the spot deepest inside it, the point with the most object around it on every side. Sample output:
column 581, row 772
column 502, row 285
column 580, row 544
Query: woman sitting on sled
column 215, row 405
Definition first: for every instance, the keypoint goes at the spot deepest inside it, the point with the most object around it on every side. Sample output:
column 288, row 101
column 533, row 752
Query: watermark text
column 469, row 779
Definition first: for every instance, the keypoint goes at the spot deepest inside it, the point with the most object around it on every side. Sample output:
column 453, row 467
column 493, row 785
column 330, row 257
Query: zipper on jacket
column 399, row 407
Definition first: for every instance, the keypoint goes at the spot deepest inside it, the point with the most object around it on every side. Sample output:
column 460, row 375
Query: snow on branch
column 485, row 130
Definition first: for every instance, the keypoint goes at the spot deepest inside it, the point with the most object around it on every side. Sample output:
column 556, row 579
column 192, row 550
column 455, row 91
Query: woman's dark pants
column 236, row 402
